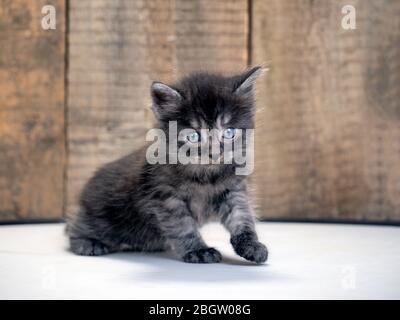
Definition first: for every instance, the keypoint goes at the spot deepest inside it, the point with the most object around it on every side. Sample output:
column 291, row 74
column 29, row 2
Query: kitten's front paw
column 88, row 247
column 207, row 255
column 250, row 249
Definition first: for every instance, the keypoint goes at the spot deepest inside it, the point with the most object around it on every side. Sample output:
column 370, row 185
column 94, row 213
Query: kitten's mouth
column 215, row 159
column 211, row 160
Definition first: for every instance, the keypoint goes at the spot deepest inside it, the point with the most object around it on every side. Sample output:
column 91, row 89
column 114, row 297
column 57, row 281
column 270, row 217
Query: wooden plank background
column 32, row 141
column 328, row 123
column 328, row 138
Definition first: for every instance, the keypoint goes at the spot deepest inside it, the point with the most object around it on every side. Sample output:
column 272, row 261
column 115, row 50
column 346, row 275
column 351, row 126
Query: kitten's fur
column 130, row 204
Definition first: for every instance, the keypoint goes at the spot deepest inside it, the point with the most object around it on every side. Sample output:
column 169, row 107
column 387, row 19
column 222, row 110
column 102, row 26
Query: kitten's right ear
column 165, row 99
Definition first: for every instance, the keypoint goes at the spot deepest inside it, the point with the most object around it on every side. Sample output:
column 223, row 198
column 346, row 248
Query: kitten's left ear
column 244, row 83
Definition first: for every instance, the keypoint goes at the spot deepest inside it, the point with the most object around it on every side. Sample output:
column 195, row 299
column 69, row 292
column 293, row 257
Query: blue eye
column 193, row 137
column 229, row 133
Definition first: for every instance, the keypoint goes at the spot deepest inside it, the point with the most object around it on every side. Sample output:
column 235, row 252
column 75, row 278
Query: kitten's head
column 210, row 111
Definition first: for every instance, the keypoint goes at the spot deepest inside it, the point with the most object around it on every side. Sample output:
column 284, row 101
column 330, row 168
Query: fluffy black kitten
column 131, row 204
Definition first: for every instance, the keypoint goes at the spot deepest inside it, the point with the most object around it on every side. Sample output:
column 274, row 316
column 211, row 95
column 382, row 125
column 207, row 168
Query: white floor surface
column 307, row 261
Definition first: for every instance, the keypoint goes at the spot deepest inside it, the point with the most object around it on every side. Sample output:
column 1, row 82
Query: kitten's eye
column 193, row 137
column 229, row 133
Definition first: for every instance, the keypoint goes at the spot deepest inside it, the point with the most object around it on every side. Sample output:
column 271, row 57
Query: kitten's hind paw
column 207, row 255
column 88, row 247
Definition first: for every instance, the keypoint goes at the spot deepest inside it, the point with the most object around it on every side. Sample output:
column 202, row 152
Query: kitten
column 131, row 204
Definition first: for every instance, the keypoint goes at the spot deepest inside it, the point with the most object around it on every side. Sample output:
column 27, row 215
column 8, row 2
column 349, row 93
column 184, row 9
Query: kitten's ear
column 244, row 83
column 165, row 99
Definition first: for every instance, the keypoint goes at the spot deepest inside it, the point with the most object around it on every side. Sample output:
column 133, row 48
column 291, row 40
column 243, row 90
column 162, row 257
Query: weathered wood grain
column 32, row 142
column 117, row 47
column 328, row 124
column 328, row 132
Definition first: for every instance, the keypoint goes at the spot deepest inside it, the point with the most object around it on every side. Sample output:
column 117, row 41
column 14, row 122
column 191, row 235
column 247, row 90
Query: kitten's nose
column 214, row 156
column 215, row 150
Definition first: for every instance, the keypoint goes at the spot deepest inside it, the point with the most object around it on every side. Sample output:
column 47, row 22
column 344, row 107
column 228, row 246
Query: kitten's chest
column 201, row 203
